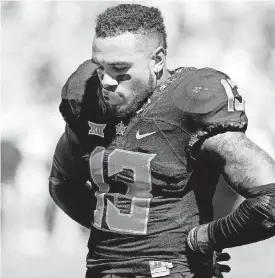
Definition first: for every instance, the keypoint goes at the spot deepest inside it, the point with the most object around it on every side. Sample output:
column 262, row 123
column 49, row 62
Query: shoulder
column 210, row 104
column 77, row 91
column 204, row 90
column 80, row 76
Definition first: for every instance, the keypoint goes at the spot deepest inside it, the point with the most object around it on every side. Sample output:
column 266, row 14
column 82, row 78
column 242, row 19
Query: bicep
column 244, row 165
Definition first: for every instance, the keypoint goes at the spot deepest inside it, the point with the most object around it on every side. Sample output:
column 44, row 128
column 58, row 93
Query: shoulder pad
column 210, row 99
column 73, row 92
column 210, row 104
column 204, row 91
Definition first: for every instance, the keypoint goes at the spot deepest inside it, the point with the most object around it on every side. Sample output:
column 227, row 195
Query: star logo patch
column 96, row 129
column 120, row 128
column 197, row 89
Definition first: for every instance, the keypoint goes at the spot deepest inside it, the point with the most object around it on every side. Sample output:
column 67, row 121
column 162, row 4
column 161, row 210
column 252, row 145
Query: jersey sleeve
column 68, row 185
column 68, row 162
column 211, row 104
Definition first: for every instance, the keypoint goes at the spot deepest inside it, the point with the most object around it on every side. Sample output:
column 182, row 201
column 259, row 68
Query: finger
column 222, row 257
column 217, row 273
column 223, row 268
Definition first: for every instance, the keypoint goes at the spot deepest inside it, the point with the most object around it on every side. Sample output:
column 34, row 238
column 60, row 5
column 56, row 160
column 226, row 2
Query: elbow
column 262, row 199
column 267, row 206
column 54, row 188
column 51, row 189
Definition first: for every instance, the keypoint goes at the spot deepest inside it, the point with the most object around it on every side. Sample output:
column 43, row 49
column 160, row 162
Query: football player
column 142, row 153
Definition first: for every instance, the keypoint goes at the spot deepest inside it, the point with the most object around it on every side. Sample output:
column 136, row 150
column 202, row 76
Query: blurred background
column 42, row 44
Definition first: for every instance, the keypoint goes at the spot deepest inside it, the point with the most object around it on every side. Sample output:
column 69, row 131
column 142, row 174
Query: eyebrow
column 113, row 63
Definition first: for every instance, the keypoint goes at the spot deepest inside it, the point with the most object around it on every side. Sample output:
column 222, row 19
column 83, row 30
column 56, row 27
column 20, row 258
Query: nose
column 108, row 82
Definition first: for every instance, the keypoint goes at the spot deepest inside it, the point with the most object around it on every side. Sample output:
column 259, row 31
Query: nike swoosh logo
column 140, row 136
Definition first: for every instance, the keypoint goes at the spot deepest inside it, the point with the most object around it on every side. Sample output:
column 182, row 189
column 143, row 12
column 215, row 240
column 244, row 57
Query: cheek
column 136, row 86
column 134, row 81
column 139, row 83
column 140, row 77
column 130, row 81
column 128, row 88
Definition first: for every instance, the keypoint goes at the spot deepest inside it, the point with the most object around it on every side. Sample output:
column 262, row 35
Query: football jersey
column 150, row 190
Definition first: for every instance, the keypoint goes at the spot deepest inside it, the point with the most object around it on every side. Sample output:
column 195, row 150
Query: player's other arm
column 68, row 177
column 249, row 171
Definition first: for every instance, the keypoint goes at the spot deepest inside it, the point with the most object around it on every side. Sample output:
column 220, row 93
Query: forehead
column 122, row 47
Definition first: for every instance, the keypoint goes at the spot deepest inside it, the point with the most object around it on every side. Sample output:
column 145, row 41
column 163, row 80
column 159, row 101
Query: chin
column 129, row 109
column 126, row 111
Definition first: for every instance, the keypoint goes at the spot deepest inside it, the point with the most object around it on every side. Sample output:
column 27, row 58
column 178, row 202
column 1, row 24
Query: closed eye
column 99, row 67
column 97, row 64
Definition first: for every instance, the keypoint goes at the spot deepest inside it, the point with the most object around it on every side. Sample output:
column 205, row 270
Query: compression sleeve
column 68, row 177
column 252, row 221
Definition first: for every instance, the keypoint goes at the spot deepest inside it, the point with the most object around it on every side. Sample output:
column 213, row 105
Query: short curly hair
column 134, row 18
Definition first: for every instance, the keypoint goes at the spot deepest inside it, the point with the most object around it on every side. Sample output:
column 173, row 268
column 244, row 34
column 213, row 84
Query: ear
column 158, row 58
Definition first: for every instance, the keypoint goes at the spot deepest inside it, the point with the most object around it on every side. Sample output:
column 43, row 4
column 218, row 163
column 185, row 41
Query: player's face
column 125, row 71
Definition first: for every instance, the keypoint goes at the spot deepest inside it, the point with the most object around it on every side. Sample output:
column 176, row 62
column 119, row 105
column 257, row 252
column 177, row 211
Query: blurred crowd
column 42, row 44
